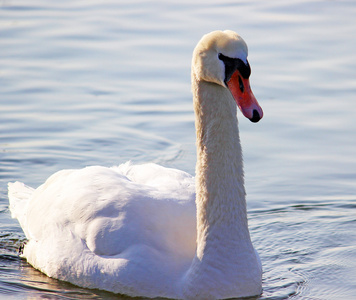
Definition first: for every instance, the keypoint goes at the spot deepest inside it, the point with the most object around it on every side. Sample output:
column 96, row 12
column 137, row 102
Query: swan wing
column 124, row 222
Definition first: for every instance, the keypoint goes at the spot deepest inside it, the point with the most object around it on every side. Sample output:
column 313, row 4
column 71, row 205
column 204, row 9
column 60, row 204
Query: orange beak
column 245, row 100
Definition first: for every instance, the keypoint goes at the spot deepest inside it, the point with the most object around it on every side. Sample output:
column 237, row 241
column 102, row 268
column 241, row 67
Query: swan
column 150, row 231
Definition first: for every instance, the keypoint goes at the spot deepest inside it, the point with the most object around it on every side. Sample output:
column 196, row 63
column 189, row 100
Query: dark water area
column 88, row 83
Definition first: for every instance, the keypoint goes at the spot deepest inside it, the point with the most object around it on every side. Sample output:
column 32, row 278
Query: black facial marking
column 233, row 64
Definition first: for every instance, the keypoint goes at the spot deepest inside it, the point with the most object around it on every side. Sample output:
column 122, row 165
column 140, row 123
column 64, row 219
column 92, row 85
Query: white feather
column 146, row 230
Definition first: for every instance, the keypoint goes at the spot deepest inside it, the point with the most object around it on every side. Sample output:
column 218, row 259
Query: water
column 88, row 82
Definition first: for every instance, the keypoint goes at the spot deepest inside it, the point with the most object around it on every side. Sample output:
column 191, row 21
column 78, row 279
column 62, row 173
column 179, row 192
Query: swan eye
column 230, row 66
column 241, row 85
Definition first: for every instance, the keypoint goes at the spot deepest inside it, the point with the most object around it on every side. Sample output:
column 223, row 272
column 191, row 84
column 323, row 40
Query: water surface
column 87, row 82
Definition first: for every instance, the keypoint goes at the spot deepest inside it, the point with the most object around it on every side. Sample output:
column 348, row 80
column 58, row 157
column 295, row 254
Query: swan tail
column 19, row 196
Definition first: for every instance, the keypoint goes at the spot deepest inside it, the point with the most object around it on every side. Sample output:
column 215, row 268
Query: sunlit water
column 102, row 82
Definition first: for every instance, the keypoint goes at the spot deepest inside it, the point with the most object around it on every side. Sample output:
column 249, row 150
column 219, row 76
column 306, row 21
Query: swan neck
column 220, row 200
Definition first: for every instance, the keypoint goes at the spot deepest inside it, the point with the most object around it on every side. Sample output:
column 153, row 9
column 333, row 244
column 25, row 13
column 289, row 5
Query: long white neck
column 220, row 200
column 225, row 259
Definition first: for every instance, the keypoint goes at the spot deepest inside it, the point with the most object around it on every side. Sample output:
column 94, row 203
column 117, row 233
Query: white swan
column 146, row 230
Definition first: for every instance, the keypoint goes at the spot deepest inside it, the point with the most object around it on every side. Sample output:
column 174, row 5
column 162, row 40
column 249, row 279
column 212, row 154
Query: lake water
column 102, row 82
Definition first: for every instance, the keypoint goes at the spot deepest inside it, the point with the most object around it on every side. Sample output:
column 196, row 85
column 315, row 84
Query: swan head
column 221, row 58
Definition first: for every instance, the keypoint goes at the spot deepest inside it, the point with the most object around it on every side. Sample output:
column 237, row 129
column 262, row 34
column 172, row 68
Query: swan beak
column 245, row 100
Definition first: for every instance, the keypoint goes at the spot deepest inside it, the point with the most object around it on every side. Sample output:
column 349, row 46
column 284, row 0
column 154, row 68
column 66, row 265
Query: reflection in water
column 37, row 285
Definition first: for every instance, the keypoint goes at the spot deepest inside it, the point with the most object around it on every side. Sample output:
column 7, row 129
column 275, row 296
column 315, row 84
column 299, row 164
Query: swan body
column 146, row 230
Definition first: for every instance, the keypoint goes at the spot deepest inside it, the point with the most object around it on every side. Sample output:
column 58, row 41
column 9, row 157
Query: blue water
column 102, row 82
